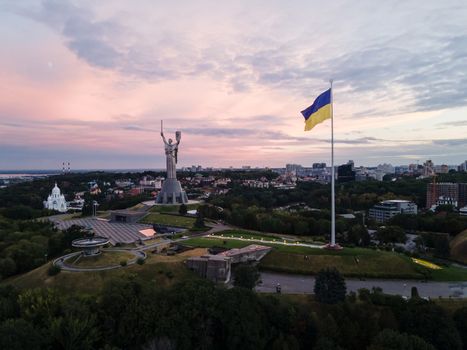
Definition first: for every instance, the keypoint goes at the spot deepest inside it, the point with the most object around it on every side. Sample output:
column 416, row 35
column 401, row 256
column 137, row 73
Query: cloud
column 417, row 70
column 451, row 142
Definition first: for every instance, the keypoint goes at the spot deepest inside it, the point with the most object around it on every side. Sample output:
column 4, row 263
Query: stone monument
column 171, row 191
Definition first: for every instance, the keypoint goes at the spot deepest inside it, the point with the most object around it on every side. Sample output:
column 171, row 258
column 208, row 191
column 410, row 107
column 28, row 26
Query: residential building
column 446, row 190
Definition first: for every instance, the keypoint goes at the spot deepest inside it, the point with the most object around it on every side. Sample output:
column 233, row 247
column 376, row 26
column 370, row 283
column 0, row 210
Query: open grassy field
column 371, row 263
column 449, row 273
column 459, row 247
column 167, row 219
column 160, row 270
column 382, row 265
column 213, row 242
column 171, row 208
column 106, row 258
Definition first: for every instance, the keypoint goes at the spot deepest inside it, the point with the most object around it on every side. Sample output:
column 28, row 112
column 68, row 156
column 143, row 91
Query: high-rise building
column 447, row 190
column 293, row 168
column 345, row 173
column 319, row 165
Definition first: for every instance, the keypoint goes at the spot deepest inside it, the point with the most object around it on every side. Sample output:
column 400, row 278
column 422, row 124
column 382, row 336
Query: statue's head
column 170, row 141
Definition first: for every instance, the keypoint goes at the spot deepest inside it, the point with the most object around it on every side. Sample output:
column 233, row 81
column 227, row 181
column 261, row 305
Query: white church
column 56, row 201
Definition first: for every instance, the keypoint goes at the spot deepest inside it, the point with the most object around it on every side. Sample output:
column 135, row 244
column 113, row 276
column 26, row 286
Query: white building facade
column 56, row 201
column 385, row 210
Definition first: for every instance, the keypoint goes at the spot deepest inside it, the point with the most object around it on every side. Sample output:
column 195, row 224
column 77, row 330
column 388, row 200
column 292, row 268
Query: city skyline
column 89, row 82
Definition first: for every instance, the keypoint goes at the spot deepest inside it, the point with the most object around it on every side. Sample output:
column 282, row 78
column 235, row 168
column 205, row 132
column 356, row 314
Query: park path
column 255, row 240
column 303, row 284
column 60, row 262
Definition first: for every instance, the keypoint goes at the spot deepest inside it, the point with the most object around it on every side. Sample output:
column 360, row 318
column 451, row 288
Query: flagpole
column 333, row 176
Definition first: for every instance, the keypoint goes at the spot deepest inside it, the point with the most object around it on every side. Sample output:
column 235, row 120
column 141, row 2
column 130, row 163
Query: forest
column 133, row 314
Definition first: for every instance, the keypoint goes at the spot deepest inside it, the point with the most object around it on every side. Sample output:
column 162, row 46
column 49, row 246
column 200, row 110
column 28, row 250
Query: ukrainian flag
column 319, row 111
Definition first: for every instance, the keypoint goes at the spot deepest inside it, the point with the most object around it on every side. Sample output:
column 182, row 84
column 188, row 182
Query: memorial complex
column 171, row 191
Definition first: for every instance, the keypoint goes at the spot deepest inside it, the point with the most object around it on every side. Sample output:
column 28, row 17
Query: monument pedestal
column 172, row 193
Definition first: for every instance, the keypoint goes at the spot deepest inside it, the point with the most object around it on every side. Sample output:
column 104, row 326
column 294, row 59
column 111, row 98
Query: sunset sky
column 89, row 81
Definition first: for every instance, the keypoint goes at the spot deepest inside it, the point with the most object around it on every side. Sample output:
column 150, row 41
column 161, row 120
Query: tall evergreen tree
column 330, row 286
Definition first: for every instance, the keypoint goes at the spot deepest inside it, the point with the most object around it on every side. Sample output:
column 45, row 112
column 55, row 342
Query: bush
column 53, row 270
column 123, row 263
column 183, row 209
column 140, row 261
column 246, row 276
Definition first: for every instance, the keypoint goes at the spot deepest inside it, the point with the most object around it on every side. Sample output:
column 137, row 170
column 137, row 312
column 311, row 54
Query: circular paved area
column 60, row 262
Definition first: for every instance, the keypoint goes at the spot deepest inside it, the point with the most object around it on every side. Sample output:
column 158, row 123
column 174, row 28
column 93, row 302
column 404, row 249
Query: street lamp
column 94, row 208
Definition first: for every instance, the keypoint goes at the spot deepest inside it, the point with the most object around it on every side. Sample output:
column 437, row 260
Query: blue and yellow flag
column 319, row 111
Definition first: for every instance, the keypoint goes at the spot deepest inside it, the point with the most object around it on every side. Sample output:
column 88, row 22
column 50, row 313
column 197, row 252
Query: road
column 301, row 284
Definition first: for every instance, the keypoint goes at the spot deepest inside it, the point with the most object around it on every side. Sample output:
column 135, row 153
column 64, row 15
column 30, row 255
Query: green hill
column 459, row 247
column 161, row 270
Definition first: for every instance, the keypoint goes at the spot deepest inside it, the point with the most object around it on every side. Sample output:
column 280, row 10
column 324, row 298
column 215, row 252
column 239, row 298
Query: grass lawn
column 172, row 208
column 106, row 258
column 213, row 242
column 371, row 263
column 459, row 247
column 161, row 273
column 449, row 273
column 167, row 219
column 381, row 265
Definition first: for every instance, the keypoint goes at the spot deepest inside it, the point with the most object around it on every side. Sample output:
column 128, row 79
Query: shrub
column 123, row 263
column 140, row 261
column 53, row 270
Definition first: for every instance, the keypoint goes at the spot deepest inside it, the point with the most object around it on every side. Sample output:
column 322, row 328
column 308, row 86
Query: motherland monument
column 171, row 192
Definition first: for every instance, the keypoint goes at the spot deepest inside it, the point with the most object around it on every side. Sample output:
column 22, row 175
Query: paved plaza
column 116, row 232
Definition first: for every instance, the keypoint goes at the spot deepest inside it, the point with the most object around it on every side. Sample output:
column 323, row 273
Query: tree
column 391, row 234
column 183, row 209
column 441, row 245
column 330, row 286
column 19, row 212
column 460, row 320
column 8, row 302
column 246, row 276
column 431, row 323
column 199, row 222
column 326, row 344
column 75, row 331
column 359, row 235
column 392, row 340
column 7, row 267
column 446, row 208
column 18, row 334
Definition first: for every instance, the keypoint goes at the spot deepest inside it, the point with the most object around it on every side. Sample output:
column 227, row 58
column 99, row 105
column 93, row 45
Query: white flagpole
column 333, row 204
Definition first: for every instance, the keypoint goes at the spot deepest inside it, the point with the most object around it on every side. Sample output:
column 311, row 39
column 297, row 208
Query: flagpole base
column 336, row 246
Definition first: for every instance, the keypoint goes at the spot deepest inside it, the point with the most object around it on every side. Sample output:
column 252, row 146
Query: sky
column 88, row 82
